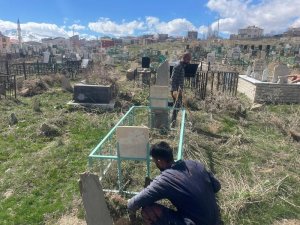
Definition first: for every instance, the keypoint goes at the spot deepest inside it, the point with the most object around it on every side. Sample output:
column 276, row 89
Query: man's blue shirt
column 190, row 188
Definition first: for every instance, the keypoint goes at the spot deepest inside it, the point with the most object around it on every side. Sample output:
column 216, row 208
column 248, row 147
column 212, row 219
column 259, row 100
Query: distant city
column 11, row 42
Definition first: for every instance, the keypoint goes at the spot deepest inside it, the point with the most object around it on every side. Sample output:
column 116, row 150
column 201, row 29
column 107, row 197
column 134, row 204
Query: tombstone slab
column 280, row 71
column 93, row 200
column 84, row 93
column 133, row 141
column 163, row 77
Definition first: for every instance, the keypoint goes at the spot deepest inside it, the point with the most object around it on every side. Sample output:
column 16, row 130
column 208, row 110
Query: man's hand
column 147, row 182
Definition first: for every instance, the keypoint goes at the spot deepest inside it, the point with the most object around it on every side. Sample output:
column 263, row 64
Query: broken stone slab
column 93, row 200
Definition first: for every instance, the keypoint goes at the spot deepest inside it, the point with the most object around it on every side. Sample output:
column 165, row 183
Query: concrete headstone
column 93, row 200
column 265, row 75
column 163, row 77
column 280, row 71
column 159, row 96
column 249, row 69
column 133, row 141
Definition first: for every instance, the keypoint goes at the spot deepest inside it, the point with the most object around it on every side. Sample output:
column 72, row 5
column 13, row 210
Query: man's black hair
column 162, row 150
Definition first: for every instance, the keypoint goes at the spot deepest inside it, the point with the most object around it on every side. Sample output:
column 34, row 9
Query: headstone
column 159, row 103
column 265, row 75
column 236, row 53
column 258, row 67
column 159, row 96
column 249, row 69
column 93, row 200
column 263, row 54
column 130, row 74
column 145, row 62
column 84, row 63
column 46, row 57
column 163, row 78
column 211, row 58
column 132, row 141
column 280, row 71
column 97, row 94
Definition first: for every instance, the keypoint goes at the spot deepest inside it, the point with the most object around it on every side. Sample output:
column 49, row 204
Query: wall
column 268, row 92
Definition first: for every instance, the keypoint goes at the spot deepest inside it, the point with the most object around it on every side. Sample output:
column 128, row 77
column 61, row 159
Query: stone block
column 96, row 94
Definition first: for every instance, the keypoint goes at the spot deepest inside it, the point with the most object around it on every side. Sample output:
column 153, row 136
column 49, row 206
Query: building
column 292, row 32
column 4, row 43
column 106, row 43
column 250, row 32
column 162, row 37
column 192, row 35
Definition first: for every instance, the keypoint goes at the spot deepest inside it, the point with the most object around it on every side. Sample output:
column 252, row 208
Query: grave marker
column 93, row 200
column 280, row 71
column 163, row 78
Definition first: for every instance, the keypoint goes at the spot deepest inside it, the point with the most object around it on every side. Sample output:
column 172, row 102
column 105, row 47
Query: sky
column 116, row 18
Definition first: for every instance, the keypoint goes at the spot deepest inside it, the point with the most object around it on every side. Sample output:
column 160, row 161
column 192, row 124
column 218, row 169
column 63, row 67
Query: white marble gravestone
column 163, row 74
column 265, row 75
column 249, row 69
column 133, row 141
column 159, row 96
column 93, row 200
column 280, row 71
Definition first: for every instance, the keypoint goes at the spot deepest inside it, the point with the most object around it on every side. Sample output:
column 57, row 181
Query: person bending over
column 186, row 184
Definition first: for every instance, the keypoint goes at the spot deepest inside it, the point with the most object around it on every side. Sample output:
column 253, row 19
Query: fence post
column 24, row 71
column 38, row 67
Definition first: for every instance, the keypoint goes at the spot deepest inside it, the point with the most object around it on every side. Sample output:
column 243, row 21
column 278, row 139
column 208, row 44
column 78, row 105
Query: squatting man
column 186, row 184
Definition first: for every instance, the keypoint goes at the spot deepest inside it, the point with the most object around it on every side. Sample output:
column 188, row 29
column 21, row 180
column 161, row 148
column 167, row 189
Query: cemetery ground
column 254, row 151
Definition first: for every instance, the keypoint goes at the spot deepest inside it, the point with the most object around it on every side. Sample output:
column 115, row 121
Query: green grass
column 257, row 163
column 42, row 172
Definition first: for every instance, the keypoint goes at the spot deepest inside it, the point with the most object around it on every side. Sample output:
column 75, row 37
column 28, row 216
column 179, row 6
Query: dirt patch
column 70, row 220
column 287, row 222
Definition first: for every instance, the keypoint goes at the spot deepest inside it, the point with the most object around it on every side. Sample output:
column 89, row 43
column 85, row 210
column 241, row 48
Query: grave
column 268, row 92
column 93, row 95
column 127, row 144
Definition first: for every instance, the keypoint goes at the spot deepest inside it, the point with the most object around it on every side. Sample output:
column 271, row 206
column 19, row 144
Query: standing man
column 186, row 184
column 177, row 83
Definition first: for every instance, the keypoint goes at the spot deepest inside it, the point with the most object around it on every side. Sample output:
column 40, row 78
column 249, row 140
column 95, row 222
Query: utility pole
column 19, row 34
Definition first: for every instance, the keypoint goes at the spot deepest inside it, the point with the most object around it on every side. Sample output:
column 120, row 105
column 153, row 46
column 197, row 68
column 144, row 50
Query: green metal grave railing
column 106, row 153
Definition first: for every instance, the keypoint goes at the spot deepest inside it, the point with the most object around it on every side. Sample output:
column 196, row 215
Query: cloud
column 178, row 26
column 150, row 25
column 7, row 25
column 108, row 27
column 76, row 27
column 296, row 23
column 271, row 15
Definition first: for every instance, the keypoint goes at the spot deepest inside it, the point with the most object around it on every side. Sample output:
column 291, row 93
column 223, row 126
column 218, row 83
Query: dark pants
column 177, row 104
column 157, row 214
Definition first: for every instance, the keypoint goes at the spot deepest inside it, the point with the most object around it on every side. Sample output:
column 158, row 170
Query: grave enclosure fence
column 207, row 83
column 7, row 82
